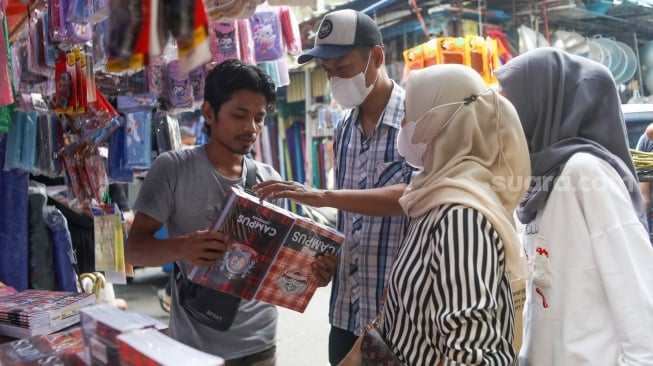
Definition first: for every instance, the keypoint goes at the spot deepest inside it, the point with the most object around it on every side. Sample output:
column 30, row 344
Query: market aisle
column 302, row 338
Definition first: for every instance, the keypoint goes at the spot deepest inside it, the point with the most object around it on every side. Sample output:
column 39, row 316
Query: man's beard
column 241, row 151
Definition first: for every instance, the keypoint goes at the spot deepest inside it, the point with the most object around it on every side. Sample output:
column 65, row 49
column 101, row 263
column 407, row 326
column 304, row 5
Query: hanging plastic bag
column 109, row 242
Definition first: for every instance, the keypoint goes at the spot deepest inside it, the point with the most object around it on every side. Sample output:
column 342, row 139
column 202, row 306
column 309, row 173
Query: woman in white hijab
column 448, row 297
column 589, row 296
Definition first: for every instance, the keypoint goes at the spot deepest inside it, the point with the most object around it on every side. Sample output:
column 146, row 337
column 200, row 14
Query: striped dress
column 449, row 297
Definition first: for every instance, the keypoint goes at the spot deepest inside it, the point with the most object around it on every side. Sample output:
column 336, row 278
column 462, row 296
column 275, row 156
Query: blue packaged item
column 14, row 140
column 116, row 170
column 28, row 150
column 62, row 250
column 138, row 129
column 14, row 224
column 138, row 140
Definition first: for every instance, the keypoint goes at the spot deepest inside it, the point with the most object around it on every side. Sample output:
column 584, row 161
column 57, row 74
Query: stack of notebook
column 36, row 312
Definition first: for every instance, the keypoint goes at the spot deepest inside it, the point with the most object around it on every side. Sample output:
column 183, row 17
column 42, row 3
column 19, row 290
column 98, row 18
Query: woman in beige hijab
column 448, row 298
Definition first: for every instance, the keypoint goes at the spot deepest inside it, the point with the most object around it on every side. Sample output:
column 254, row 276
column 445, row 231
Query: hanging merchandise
column 267, row 35
column 117, row 170
column 98, row 123
column 197, row 78
column 247, row 53
column 49, row 138
column 235, row 10
column 96, row 173
column 21, row 140
column 75, row 82
column 100, row 42
column 6, row 93
column 180, row 92
column 290, row 28
column 6, row 87
column 85, row 170
column 137, row 110
column 215, row 9
column 156, row 76
column 191, row 35
column 66, row 30
column 76, row 173
column 226, row 10
column 167, row 132
column 109, row 241
column 128, row 30
column 224, row 41
column 248, row 10
column 158, row 35
column 271, row 68
column 47, row 146
column 284, row 73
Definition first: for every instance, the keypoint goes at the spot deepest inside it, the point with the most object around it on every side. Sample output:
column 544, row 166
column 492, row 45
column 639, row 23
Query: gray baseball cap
column 340, row 32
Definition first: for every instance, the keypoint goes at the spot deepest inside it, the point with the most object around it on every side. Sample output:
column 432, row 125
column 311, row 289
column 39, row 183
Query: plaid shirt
column 371, row 242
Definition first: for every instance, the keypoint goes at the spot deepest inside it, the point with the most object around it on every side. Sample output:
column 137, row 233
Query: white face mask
column 413, row 153
column 351, row 92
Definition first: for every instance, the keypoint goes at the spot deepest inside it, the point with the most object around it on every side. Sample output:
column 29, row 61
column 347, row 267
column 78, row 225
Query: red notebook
column 270, row 254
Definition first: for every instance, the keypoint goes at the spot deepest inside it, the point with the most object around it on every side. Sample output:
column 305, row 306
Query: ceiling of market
column 621, row 20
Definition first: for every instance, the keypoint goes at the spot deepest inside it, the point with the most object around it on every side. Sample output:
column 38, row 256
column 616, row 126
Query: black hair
column 231, row 76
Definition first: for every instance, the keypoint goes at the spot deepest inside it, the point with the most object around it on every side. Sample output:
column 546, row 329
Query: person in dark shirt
column 645, row 144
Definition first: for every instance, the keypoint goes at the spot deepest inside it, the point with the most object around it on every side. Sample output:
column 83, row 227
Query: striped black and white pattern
column 449, row 297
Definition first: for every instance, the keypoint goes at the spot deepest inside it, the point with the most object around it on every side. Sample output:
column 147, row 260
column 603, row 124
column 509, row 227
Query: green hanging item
column 107, row 198
column 5, row 117
column 7, row 112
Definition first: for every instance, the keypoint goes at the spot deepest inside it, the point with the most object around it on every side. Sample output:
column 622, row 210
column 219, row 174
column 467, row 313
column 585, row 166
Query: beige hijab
column 476, row 151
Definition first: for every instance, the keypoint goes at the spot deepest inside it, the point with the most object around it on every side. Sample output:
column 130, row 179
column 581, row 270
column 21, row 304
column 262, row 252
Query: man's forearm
column 382, row 201
column 144, row 250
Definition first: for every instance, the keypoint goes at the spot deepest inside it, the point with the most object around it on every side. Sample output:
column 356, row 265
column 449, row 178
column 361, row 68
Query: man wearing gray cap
column 349, row 47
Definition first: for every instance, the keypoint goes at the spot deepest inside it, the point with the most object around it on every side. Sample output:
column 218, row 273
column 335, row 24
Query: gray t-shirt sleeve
column 644, row 144
column 155, row 197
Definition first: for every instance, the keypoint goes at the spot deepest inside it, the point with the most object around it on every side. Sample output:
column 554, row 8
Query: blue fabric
column 14, row 229
column 62, row 247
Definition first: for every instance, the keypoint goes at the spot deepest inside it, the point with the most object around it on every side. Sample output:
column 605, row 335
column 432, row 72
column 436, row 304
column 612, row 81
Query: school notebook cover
column 290, row 281
column 42, row 349
column 270, row 255
column 255, row 231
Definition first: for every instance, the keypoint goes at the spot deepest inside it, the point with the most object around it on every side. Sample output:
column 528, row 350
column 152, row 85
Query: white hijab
column 476, row 152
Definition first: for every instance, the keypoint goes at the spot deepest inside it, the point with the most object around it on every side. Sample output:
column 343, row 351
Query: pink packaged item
column 267, row 35
column 180, row 92
column 224, row 41
column 246, row 47
column 290, row 28
column 6, row 93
